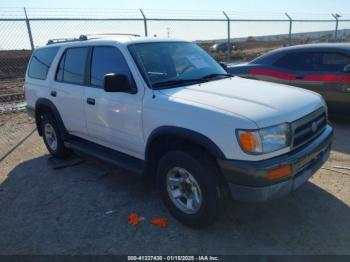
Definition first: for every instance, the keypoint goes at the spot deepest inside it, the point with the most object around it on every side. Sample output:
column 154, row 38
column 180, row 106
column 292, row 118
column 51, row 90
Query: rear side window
column 308, row 61
column 72, row 66
column 41, row 61
column 106, row 60
column 289, row 61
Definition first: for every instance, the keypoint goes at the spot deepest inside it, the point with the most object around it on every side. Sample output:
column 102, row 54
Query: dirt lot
column 59, row 207
column 13, row 63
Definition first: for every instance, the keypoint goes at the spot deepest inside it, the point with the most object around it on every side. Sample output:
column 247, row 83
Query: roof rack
column 63, row 40
column 111, row 34
column 86, row 37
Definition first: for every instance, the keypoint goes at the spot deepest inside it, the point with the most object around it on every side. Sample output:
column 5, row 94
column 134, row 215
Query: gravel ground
column 59, row 207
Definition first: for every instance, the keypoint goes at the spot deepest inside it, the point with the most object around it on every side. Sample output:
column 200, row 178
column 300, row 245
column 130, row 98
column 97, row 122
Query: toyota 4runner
column 166, row 110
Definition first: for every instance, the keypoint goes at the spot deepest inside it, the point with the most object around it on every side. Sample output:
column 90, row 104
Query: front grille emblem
column 314, row 127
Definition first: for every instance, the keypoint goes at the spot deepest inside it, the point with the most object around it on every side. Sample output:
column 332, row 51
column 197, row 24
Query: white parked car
column 165, row 109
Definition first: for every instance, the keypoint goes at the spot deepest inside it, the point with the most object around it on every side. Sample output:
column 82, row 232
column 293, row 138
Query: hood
column 264, row 103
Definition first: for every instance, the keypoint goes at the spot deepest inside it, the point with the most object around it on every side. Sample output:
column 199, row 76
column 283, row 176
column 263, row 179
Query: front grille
column 307, row 128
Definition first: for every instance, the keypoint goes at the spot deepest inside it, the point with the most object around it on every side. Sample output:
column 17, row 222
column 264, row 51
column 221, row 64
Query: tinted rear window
column 72, row 66
column 41, row 61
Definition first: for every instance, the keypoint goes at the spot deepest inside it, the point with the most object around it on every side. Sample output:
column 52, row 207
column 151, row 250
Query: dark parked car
column 323, row 68
column 221, row 47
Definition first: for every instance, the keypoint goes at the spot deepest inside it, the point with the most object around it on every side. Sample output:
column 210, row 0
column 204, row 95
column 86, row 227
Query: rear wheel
column 52, row 137
column 191, row 187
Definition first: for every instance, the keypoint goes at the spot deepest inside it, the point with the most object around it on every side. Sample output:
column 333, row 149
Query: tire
column 203, row 169
column 52, row 137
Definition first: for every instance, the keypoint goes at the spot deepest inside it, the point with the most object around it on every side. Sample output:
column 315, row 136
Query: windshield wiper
column 215, row 75
column 185, row 81
column 178, row 82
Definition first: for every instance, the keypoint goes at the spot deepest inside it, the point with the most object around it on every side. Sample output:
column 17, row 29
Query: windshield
column 169, row 64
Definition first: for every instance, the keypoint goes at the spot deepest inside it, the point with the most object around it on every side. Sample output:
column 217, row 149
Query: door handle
column 90, row 101
column 299, row 77
column 53, row 93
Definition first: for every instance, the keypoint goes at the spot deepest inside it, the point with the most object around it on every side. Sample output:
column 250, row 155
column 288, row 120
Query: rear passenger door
column 113, row 118
column 336, row 82
column 68, row 89
column 306, row 69
column 323, row 72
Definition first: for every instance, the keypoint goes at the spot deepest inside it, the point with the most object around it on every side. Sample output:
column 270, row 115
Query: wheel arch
column 165, row 138
column 44, row 105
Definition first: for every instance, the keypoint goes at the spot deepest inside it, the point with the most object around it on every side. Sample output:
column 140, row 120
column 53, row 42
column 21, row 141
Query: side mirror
column 116, row 83
column 347, row 69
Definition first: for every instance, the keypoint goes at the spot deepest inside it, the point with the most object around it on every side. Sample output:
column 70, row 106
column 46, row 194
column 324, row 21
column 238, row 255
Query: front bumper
column 247, row 180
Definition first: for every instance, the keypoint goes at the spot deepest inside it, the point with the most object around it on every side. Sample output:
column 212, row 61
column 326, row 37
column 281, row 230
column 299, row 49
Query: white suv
column 165, row 109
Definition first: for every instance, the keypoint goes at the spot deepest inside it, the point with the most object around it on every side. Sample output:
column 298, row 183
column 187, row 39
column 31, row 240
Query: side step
column 105, row 154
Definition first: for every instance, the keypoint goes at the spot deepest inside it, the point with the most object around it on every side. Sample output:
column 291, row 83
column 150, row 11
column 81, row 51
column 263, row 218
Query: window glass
column 41, row 62
column 308, row 61
column 72, row 66
column 161, row 62
column 335, row 61
column 106, row 60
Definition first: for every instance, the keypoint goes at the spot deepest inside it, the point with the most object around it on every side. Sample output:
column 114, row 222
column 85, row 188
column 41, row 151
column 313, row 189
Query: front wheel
column 52, row 137
column 191, row 187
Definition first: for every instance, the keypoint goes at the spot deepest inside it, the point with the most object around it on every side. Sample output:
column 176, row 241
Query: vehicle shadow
column 81, row 207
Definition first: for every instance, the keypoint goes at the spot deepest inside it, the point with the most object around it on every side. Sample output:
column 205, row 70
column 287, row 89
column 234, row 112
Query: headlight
column 264, row 140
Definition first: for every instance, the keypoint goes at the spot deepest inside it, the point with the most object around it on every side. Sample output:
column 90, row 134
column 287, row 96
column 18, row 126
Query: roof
column 316, row 46
column 273, row 55
column 117, row 39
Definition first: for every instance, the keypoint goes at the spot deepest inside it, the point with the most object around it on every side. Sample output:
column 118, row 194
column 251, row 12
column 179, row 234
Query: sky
column 314, row 6
column 14, row 35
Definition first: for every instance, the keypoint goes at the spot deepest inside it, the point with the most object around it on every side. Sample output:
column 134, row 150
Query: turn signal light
column 248, row 141
column 279, row 173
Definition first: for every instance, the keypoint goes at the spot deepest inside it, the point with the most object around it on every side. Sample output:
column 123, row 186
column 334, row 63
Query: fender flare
column 187, row 134
column 51, row 106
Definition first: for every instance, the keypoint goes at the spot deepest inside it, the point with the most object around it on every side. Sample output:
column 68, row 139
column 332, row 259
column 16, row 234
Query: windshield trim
column 144, row 75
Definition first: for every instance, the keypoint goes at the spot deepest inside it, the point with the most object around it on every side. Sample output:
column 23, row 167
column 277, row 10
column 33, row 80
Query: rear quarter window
column 41, row 61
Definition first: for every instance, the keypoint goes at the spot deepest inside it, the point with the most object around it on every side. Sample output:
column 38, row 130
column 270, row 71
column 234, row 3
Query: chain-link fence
column 238, row 36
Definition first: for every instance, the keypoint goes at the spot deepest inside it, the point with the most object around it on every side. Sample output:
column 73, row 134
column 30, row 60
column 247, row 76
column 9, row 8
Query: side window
column 312, row 61
column 308, row 61
column 41, row 61
column 72, row 66
column 335, row 61
column 290, row 61
column 106, row 60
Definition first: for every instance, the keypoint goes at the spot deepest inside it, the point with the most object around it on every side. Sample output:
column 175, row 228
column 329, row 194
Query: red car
column 323, row 68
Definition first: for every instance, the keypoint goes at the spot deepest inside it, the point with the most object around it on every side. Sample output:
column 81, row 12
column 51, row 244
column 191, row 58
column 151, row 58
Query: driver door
column 113, row 118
